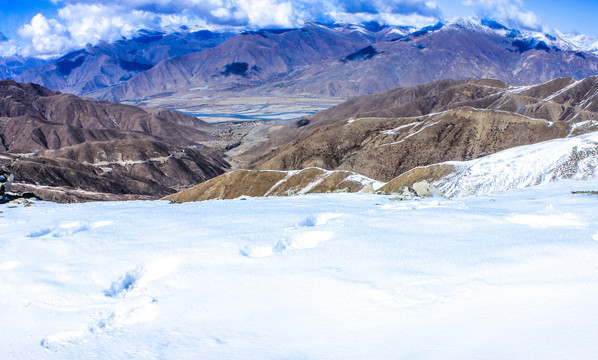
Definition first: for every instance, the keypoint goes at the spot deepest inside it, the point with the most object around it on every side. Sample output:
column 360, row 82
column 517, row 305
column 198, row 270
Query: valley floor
column 227, row 108
column 337, row 276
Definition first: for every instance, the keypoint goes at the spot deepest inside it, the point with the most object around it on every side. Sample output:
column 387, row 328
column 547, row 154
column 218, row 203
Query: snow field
column 335, row 276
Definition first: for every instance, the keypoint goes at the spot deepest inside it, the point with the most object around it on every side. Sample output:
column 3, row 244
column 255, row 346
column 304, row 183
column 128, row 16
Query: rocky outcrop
column 6, row 196
column 6, row 179
column 274, row 183
column 428, row 174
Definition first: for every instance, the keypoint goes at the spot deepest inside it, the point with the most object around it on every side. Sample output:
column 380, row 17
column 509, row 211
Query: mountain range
column 66, row 148
column 91, row 70
column 313, row 61
column 417, row 97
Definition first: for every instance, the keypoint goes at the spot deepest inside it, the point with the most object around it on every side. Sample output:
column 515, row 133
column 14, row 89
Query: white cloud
column 46, row 36
column 81, row 22
column 511, row 12
column 78, row 25
column 262, row 13
column 90, row 23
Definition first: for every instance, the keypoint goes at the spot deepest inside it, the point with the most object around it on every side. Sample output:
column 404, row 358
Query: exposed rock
column 425, row 189
column 6, row 196
column 25, row 199
column 368, row 189
column 428, row 174
column 6, row 180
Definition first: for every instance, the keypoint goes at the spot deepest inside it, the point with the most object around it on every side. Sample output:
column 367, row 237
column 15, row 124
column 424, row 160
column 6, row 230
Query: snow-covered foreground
column 342, row 276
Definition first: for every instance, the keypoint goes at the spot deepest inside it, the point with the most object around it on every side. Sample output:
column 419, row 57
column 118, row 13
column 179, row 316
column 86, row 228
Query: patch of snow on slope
column 581, row 126
column 563, row 90
column 523, row 166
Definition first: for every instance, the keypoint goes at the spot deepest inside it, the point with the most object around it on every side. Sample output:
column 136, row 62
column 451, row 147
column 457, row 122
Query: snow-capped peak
column 582, row 41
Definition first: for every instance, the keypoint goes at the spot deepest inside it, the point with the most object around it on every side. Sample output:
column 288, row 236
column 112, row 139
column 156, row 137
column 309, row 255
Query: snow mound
column 546, row 221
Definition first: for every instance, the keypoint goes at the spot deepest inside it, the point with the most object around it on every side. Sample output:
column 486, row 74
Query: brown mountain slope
column 35, row 118
column 384, row 135
column 245, row 61
column 171, row 166
column 67, row 148
column 112, row 170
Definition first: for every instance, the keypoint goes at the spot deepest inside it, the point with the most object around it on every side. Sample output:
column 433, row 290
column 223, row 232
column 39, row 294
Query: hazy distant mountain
column 86, row 71
column 249, row 60
column 347, row 61
column 316, row 60
column 12, row 66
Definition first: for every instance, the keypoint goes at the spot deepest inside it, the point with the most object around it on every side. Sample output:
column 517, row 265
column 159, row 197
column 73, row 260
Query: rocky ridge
column 571, row 158
column 384, row 135
column 240, row 183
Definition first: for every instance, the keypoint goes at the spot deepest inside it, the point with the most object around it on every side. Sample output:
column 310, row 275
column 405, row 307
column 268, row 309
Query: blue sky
column 52, row 27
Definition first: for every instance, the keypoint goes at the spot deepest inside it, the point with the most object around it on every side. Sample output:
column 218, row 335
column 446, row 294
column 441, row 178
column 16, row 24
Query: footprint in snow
column 300, row 241
column 141, row 276
column 132, row 311
column 297, row 241
column 68, row 228
column 125, row 283
column 61, row 340
column 132, row 303
column 318, row 219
